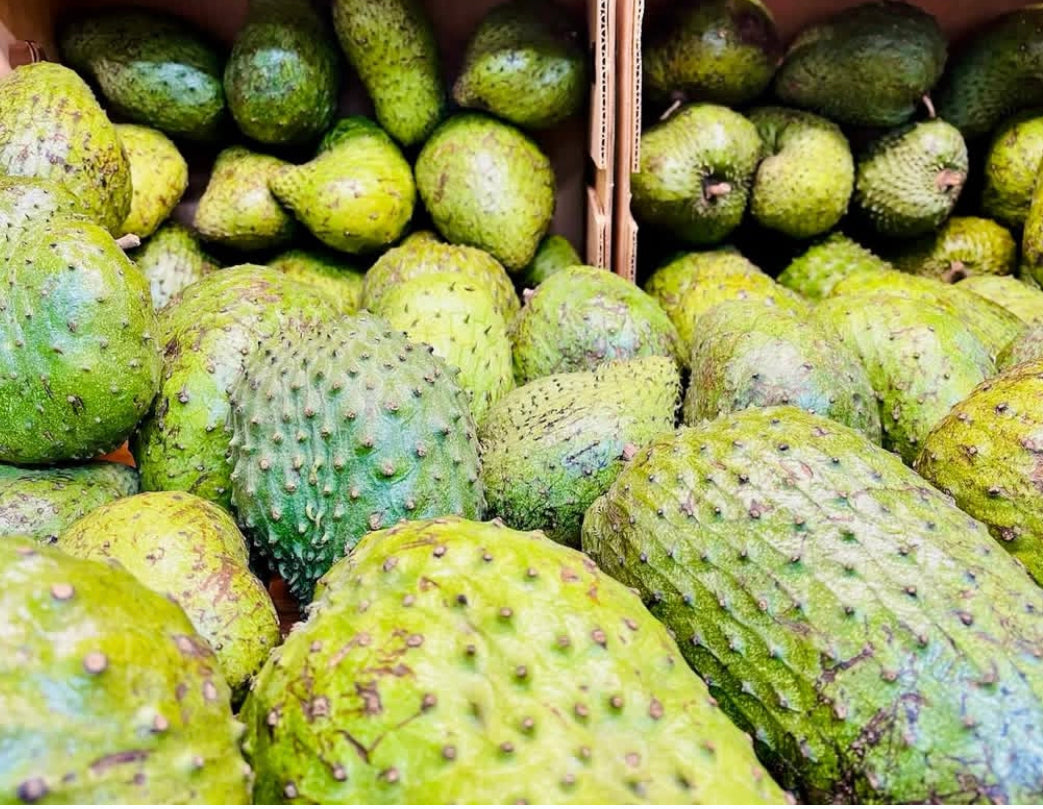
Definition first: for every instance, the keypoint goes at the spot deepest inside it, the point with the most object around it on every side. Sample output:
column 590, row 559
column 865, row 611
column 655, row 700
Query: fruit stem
column 671, row 109
column 128, row 242
column 715, row 190
column 948, row 179
column 927, row 102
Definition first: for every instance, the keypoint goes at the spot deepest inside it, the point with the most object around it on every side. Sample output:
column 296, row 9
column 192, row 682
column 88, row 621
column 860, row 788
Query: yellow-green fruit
column 107, row 694
column 1017, row 297
column 192, row 552
column 1026, row 348
column 172, row 259
column 237, row 209
column 1032, row 239
column 803, row 185
column 326, row 271
column 814, row 273
column 1011, row 167
column 159, row 175
column 964, row 246
column 555, row 254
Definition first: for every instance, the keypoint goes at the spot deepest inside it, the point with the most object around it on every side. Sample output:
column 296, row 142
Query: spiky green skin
column 237, row 209
column 585, row 316
column 1026, row 348
column 803, row 185
column 748, row 355
column 532, row 677
column 107, row 695
column 171, row 260
column 422, row 254
column 392, row 47
column 965, row 246
column 997, row 74
column 909, row 180
column 357, row 194
column 869, row 65
column 188, row 549
column 721, row 51
column 1032, row 240
column 815, row 273
column 26, row 202
column 487, row 185
column 1011, row 167
column 872, row 637
column 159, row 177
column 1017, row 297
column 554, row 254
column 553, row 446
column 51, row 128
column 77, row 343
column 41, row 503
column 152, row 68
column 327, row 271
column 692, row 284
column 282, row 77
column 460, row 321
column 696, row 172
column 343, row 430
column 525, row 63
column 921, row 360
column 990, row 323
column 207, row 337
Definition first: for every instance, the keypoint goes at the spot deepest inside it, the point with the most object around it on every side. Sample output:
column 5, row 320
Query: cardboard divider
column 957, row 18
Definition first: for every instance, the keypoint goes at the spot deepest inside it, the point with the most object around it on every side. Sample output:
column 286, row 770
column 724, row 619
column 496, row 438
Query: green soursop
column 345, row 429
column 553, row 446
column 451, row 661
column 159, row 178
column 1026, row 348
column 41, row 503
column 875, row 640
column 107, row 694
column 554, row 254
column 814, row 273
column 326, row 270
column 585, row 316
column 748, row 355
column 1011, row 168
column 1017, row 297
column 172, row 259
column 964, row 246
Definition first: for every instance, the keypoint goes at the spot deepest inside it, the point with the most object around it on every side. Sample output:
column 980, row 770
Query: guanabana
column 1026, row 348
column 41, row 503
column 696, row 173
column 748, row 355
column 159, row 178
column 450, row 661
column 814, row 273
column 339, row 281
column 1031, row 267
column 553, row 446
column 1011, row 167
column 107, row 694
column 554, row 254
column 585, row 316
column 873, row 639
column 357, row 194
column 964, row 246
column 191, row 551
column 487, row 185
column 341, row 430
column 172, row 259
column 1017, row 297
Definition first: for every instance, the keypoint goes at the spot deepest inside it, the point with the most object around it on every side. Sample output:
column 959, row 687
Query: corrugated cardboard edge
column 628, row 132
column 601, row 22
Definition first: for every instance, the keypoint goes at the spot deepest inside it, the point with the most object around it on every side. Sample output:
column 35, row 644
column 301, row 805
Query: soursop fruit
column 108, row 691
column 554, row 254
column 1031, row 268
column 487, row 185
column 696, row 172
column 460, row 321
column 159, row 178
column 522, row 686
column 191, row 551
column 693, row 283
column 1011, row 167
column 328, row 272
column 748, row 355
column 1017, row 297
column 964, row 246
column 207, row 336
column 172, row 259
column 237, row 209
column 553, row 446
column 40, row 503
column 52, row 128
column 814, row 273
column 1026, row 348
column 525, row 63
column 423, row 254
column 379, row 430
column 921, row 360
column 585, row 316
column 357, row 194
column 873, row 638
column 909, row 180
column 803, row 185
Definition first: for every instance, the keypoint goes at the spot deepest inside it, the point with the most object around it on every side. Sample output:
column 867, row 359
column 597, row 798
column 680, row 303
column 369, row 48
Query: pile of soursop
column 415, row 507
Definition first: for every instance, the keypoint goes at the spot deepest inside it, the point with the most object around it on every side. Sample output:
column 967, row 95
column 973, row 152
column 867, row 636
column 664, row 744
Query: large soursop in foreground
column 876, row 641
column 342, row 430
column 450, row 661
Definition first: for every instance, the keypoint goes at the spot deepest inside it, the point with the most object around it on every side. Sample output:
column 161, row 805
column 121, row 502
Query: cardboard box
column 957, row 17
column 583, row 151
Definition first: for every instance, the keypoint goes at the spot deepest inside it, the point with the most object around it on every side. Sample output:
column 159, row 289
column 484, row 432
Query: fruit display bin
column 582, row 150
column 957, row 17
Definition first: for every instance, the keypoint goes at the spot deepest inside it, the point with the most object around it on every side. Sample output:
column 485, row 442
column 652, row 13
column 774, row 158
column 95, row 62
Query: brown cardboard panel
column 583, row 151
column 957, row 17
